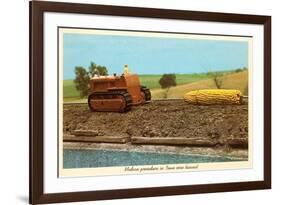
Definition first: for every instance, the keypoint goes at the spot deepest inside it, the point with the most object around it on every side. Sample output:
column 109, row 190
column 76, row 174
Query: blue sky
column 151, row 55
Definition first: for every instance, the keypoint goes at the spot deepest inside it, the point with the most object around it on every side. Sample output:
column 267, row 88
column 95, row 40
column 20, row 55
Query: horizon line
column 182, row 73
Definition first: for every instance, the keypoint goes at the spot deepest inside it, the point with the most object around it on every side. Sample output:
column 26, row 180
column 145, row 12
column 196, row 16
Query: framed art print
column 134, row 102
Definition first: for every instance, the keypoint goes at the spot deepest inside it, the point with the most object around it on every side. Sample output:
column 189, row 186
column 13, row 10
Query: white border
column 53, row 184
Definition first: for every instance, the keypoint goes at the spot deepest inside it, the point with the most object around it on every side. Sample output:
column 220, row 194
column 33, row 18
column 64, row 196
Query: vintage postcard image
column 136, row 102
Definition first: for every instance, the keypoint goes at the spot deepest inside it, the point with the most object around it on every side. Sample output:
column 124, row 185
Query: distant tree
column 217, row 78
column 95, row 69
column 238, row 70
column 81, row 81
column 166, row 82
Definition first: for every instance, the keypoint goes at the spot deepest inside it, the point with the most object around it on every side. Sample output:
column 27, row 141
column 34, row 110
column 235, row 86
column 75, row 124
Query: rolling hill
column 186, row 82
column 237, row 81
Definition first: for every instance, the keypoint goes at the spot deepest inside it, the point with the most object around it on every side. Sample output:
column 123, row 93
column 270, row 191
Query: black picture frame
column 37, row 9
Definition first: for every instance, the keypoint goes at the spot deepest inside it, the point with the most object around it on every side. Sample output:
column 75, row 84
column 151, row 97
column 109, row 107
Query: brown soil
column 163, row 119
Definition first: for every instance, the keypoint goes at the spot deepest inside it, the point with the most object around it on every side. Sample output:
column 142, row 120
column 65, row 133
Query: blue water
column 104, row 158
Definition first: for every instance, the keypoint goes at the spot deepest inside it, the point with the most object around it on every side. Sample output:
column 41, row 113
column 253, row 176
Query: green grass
column 69, row 90
column 152, row 81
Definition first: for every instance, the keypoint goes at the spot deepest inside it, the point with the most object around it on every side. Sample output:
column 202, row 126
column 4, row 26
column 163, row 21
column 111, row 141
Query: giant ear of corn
column 213, row 96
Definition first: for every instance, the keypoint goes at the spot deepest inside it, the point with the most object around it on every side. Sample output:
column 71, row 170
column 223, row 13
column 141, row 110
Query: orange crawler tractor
column 117, row 93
